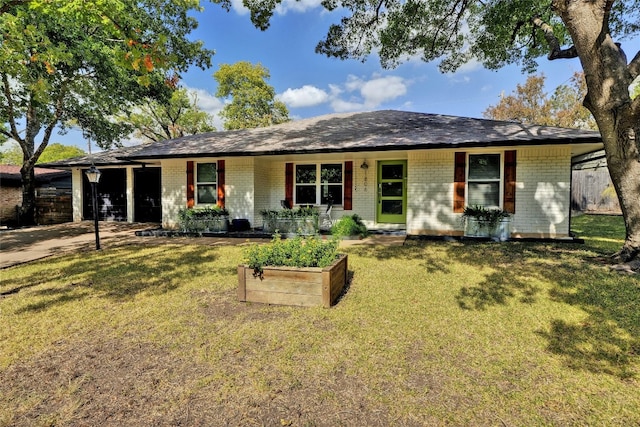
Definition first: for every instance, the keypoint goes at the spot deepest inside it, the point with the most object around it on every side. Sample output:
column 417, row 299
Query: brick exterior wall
column 241, row 188
column 542, row 193
column 10, row 199
column 174, row 190
column 254, row 183
column 430, row 193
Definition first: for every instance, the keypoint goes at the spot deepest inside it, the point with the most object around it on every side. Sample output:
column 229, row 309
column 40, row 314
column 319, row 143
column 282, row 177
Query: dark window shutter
column 221, row 183
column 348, row 186
column 459, row 178
column 509, row 201
column 190, row 185
column 288, row 183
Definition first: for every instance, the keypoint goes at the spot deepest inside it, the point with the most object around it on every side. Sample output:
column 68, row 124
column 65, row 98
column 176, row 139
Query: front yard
column 431, row 333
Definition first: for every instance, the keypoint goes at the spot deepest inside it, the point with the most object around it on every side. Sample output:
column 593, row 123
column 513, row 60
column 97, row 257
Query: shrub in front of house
column 349, row 226
column 290, row 222
column 479, row 221
column 203, row 220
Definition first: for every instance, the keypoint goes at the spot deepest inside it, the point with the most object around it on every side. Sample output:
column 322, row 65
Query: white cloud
column 206, row 101
column 341, row 106
column 469, row 67
column 299, row 6
column 336, row 90
column 353, row 83
column 459, row 79
column 355, row 94
column 209, row 104
column 238, row 7
column 382, row 89
column 306, row 96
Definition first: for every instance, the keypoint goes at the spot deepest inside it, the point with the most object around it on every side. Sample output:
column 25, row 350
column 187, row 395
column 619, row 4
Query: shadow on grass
column 118, row 274
column 606, row 341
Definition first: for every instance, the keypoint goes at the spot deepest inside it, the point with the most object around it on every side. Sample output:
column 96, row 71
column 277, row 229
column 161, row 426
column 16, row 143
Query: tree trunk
column 618, row 116
column 27, row 214
column 624, row 168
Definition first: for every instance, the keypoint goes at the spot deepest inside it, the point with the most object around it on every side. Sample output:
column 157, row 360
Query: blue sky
column 311, row 84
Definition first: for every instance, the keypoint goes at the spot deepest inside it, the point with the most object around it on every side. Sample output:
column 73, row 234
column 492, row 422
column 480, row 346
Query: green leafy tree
column 57, row 151
column 253, row 102
column 529, row 104
column 498, row 33
column 635, row 89
column 13, row 155
column 81, row 62
column 154, row 120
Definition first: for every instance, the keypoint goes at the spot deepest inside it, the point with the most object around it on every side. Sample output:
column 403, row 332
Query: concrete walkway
column 32, row 243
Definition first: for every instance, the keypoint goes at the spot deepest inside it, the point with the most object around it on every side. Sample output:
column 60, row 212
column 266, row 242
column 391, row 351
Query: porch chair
column 285, row 204
column 324, row 219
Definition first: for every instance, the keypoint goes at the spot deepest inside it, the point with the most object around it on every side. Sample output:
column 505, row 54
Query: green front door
column 392, row 192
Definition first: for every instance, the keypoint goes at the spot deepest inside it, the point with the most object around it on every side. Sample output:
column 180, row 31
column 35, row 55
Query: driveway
column 22, row 245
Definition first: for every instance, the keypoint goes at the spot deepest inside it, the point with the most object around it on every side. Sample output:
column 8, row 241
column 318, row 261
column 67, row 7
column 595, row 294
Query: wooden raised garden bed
column 311, row 286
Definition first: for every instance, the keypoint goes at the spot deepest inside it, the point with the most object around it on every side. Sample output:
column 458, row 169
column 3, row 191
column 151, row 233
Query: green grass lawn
column 431, row 333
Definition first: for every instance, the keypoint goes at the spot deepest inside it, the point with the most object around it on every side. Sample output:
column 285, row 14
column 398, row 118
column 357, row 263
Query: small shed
column 53, row 195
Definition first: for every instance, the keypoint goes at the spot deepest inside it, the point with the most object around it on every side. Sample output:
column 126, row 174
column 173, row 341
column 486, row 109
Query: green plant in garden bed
column 198, row 220
column 302, row 220
column 480, row 213
column 349, row 225
column 296, row 252
column 302, row 212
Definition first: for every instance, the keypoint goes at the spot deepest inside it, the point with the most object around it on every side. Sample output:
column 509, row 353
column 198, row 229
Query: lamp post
column 93, row 175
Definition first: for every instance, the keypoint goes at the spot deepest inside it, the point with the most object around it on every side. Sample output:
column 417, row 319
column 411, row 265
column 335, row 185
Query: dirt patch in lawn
column 123, row 380
column 116, row 381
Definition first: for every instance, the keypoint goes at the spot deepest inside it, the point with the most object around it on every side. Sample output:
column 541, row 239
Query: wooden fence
column 593, row 192
column 53, row 205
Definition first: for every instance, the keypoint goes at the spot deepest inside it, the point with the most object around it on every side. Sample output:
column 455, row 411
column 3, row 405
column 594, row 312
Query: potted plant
column 304, row 271
column 203, row 220
column 479, row 221
column 349, row 227
column 290, row 222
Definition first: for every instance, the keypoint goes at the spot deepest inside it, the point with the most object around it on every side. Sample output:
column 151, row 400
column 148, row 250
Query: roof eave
column 391, row 147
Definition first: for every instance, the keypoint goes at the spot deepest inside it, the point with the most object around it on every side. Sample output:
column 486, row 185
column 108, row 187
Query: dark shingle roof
column 117, row 156
column 347, row 132
column 370, row 131
column 12, row 173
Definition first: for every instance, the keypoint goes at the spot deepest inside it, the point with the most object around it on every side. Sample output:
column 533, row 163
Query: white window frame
column 197, row 183
column 499, row 180
column 318, row 184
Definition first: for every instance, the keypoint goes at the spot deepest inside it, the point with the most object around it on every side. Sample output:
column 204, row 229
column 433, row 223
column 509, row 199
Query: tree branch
column 377, row 14
column 554, row 44
column 52, row 124
column 12, row 117
column 8, row 5
column 6, row 133
column 634, row 66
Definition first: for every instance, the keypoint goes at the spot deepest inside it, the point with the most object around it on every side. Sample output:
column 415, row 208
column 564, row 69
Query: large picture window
column 319, row 184
column 207, row 183
column 483, row 180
